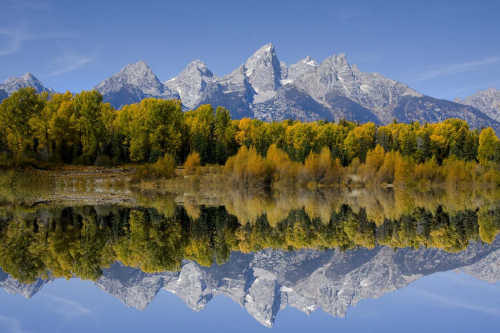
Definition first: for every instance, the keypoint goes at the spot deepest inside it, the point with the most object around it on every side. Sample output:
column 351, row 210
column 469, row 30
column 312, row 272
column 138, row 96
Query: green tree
column 488, row 143
column 15, row 115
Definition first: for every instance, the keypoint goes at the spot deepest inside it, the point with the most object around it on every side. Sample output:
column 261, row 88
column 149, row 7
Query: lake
column 82, row 254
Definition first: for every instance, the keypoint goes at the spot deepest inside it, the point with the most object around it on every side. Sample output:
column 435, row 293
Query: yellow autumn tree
column 193, row 161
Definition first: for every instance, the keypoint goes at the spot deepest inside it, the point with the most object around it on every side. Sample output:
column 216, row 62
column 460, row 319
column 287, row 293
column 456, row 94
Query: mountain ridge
column 486, row 101
column 265, row 88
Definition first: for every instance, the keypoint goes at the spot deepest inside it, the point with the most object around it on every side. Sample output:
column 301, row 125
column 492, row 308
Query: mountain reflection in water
column 287, row 254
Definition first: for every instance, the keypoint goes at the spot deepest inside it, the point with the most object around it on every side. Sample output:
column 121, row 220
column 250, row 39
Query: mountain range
column 266, row 88
column 267, row 281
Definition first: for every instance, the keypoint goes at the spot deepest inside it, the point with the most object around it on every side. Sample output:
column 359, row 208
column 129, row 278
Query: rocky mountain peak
column 138, row 74
column 195, row 68
column 331, row 73
column 266, row 51
column 192, row 82
column 263, row 70
column 28, row 76
column 200, row 67
column 132, row 84
column 336, row 61
column 138, row 64
column 302, row 67
column 13, row 84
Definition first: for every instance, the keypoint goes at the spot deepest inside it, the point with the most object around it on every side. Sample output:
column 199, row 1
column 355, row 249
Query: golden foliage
column 193, row 161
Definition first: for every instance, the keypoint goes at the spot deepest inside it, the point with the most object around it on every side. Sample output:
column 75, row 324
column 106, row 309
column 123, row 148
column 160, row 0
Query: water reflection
column 301, row 251
column 80, row 241
column 307, row 249
column 266, row 281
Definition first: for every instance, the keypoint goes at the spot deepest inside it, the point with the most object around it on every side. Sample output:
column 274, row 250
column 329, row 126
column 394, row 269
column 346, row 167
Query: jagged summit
column 138, row 74
column 199, row 66
column 191, row 83
column 302, row 67
column 28, row 76
column 263, row 70
column 13, row 84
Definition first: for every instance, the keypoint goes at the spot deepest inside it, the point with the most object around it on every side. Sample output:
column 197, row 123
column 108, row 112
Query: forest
column 43, row 131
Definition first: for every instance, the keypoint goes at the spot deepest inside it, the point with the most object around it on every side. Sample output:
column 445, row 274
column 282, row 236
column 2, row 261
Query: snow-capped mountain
column 13, row 84
column 132, row 84
column 267, row 281
column 265, row 88
column 487, row 101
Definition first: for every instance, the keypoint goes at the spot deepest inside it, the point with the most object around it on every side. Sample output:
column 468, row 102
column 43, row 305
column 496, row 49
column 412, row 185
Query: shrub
column 247, row 167
column 193, row 161
column 163, row 168
column 285, row 172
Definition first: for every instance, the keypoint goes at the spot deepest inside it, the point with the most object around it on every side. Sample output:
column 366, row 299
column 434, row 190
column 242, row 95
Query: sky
column 445, row 49
column 443, row 302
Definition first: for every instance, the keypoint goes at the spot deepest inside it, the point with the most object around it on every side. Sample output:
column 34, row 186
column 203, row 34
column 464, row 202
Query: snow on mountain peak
column 13, row 84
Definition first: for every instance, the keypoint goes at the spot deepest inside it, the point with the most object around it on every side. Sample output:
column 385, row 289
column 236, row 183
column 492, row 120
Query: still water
column 361, row 261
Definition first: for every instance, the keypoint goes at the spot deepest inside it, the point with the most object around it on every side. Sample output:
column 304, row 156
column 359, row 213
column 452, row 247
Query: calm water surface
column 394, row 261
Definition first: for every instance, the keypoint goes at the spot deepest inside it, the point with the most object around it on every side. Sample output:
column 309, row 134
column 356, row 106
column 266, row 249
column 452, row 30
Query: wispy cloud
column 70, row 62
column 452, row 69
column 12, row 39
column 68, row 308
column 346, row 13
column 451, row 302
column 11, row 325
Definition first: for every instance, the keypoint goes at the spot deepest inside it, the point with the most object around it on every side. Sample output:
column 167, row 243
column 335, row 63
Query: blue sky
column 444, row 302
column 441, row 48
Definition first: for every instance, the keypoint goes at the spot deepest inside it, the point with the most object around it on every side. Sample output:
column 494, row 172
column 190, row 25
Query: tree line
column 81, row 129
column 81, row 241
